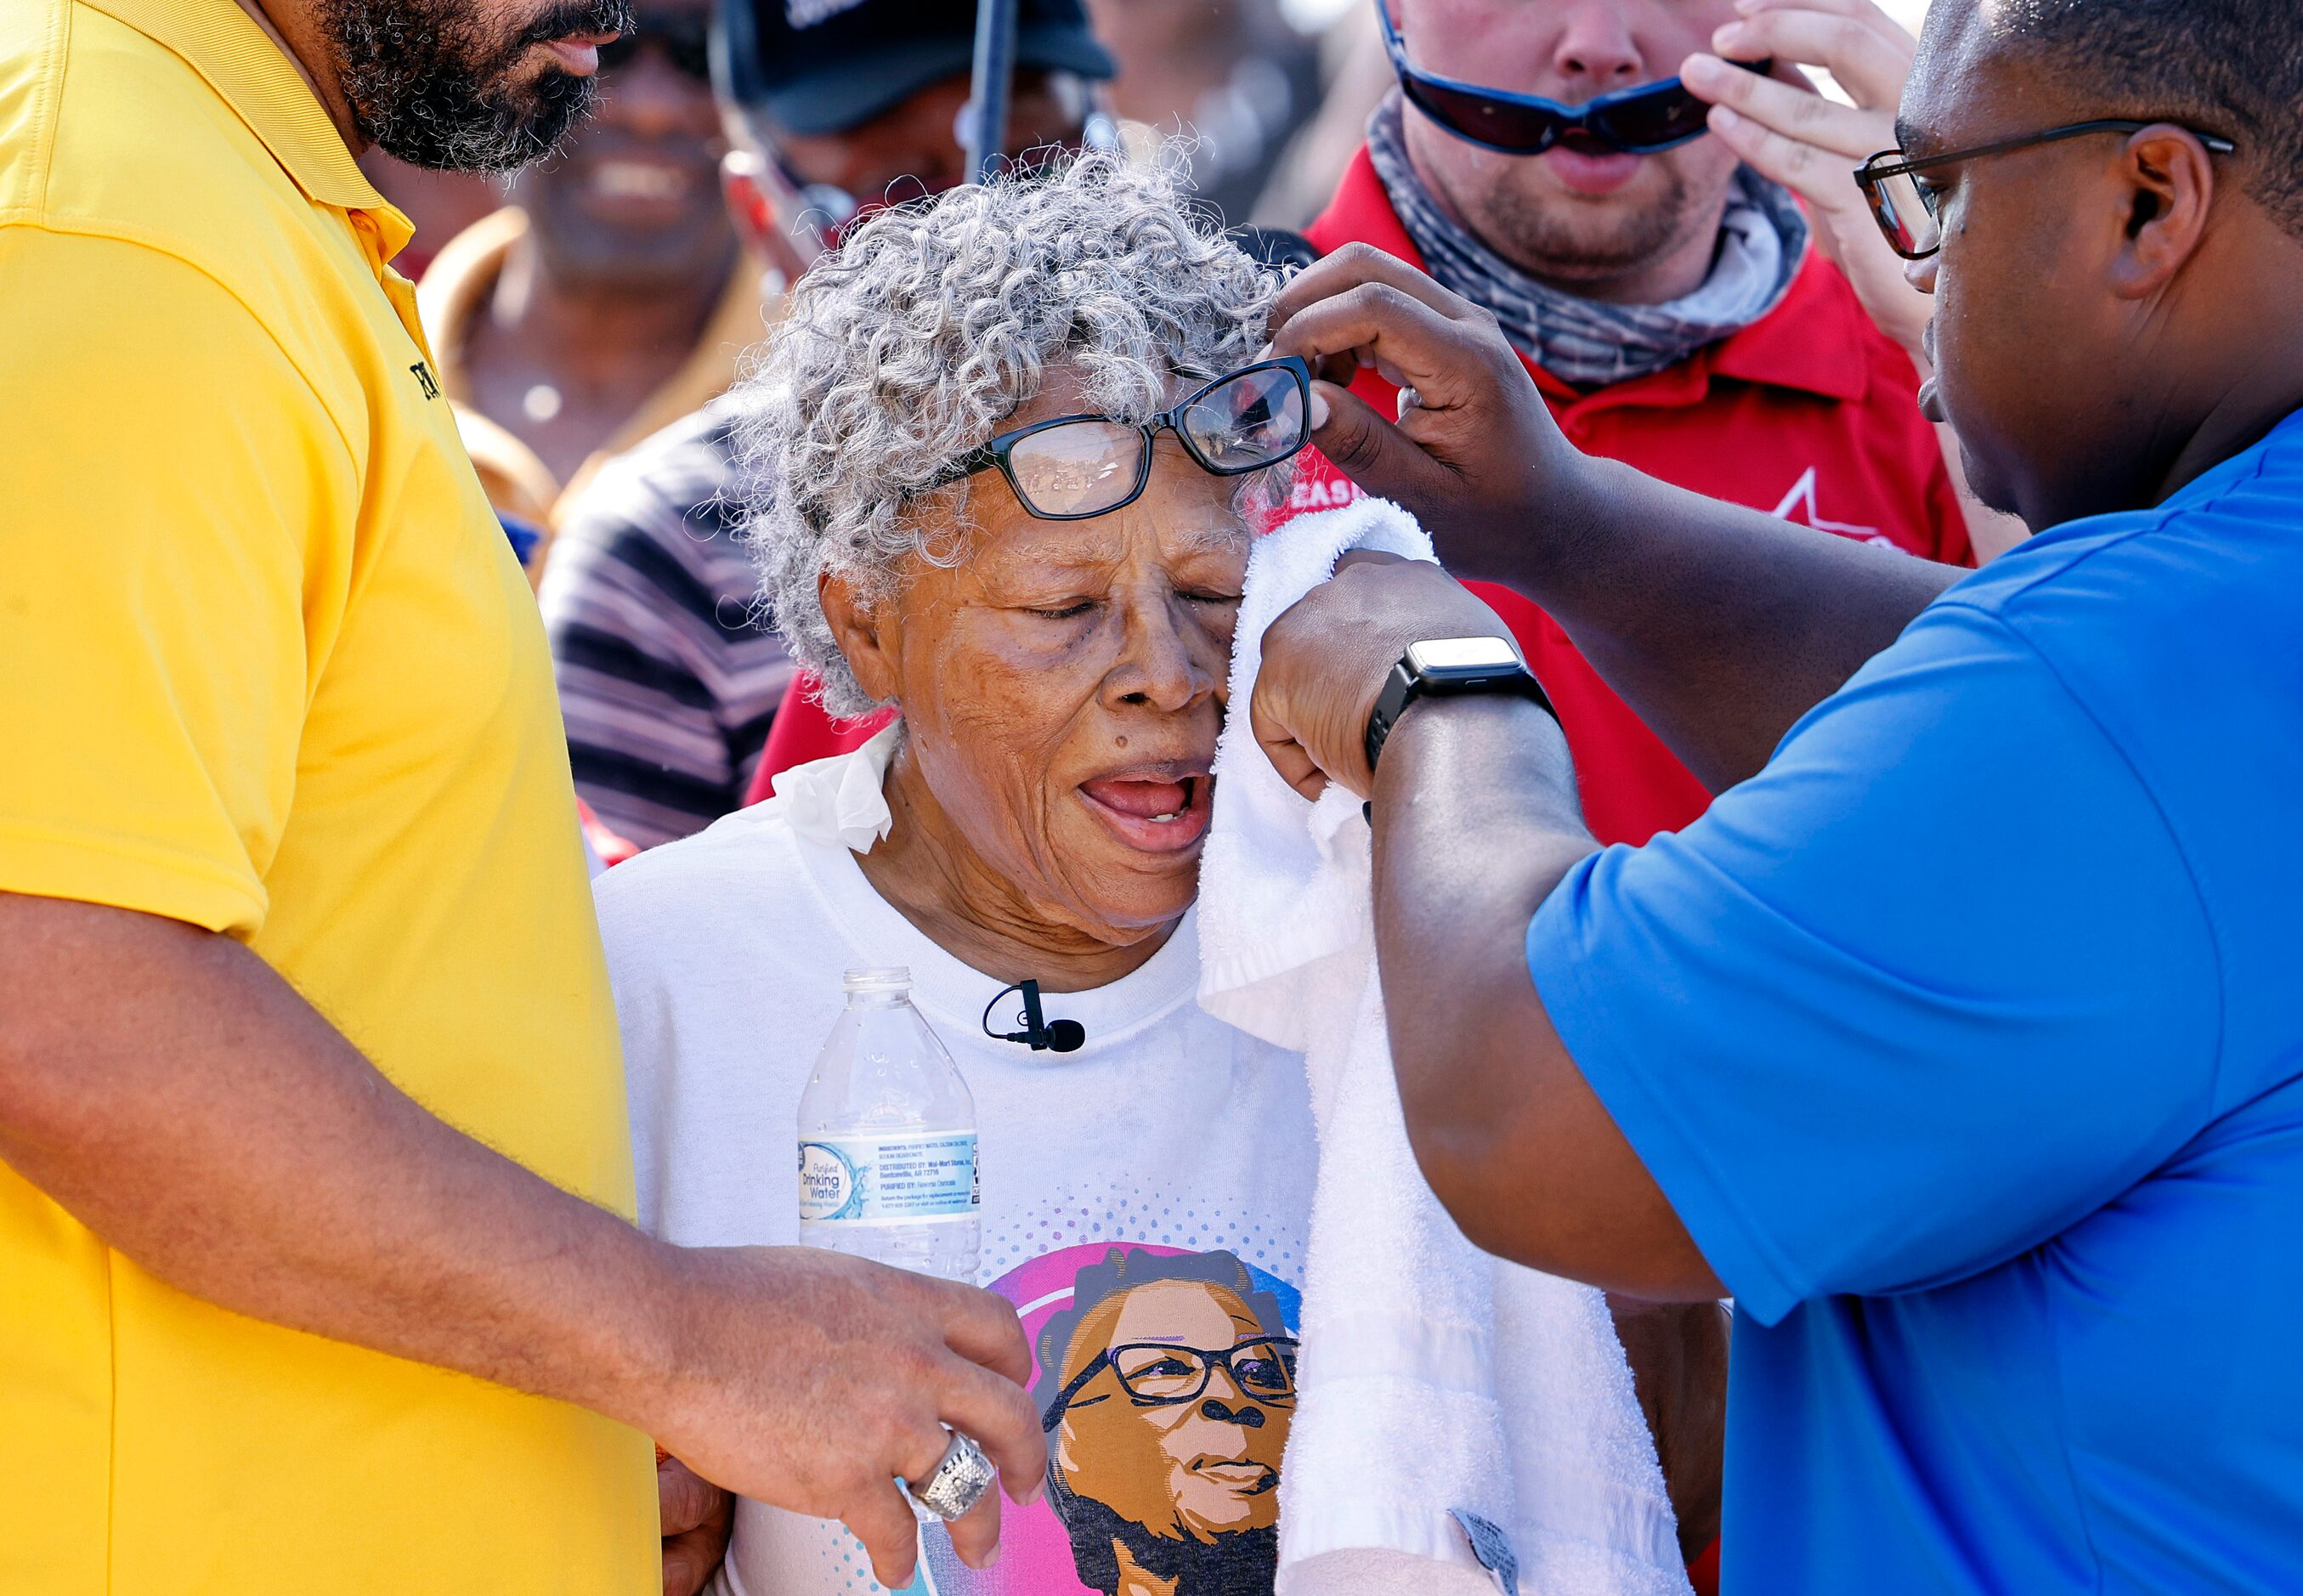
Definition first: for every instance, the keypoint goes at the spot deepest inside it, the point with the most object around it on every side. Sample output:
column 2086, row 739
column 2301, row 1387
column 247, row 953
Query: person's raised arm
column 1784, row 130
column 167, row 1088
column 1721, row 626
column 1637, row 1067
column 1476, row 821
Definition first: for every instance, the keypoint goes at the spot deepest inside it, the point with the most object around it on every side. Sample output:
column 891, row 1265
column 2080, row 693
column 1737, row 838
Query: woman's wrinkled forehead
column 1186, row 523
column 937, row 327
column 1065, row 390
column 1067, row 387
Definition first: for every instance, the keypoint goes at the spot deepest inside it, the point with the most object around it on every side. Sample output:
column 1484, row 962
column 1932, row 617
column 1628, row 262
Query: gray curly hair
column 930, row 327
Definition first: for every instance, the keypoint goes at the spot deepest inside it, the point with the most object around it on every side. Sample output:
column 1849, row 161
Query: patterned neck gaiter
column 1762, row 241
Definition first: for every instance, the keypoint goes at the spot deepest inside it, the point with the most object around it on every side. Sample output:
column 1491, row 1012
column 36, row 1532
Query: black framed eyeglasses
column 1643, row 121
column 1161, row 1374
column 1075, row 466
column 1908, row 212
column 683, row 37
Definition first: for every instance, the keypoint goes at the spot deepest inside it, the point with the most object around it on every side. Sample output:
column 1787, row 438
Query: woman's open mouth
column 1155, row 810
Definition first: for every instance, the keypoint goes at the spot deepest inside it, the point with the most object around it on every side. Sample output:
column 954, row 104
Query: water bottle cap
column 894, row 978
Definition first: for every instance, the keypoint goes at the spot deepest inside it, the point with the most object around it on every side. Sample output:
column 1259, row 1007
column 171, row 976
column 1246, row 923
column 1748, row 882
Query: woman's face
column 1062, row 686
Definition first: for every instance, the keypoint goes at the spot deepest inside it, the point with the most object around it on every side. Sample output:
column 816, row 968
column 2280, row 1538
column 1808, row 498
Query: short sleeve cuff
column 1591, row 1008
column 41, row 864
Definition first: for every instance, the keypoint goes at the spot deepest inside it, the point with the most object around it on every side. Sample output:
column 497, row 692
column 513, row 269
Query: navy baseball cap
column 823, row 66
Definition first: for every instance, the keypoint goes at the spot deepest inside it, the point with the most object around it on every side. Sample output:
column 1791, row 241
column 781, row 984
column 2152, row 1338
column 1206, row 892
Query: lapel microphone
column 1040, row 1035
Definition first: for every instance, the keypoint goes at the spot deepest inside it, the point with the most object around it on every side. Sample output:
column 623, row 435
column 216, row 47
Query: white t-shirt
column 1147, row 1193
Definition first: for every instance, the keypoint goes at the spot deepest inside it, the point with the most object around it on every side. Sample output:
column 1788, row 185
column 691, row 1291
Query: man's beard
column 429, row 84
column 1546, row 241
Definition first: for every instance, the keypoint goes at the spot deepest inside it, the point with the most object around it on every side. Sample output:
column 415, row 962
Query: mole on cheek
column 1121, row 741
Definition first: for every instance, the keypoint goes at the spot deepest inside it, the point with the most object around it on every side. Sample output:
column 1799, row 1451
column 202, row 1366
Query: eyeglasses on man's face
column 1908, row 209
column 1161, row 1375
column 1644, row 119
column 1071, row 467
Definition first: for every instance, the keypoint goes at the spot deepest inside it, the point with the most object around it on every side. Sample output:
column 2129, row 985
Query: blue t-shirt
column 1967, row 1039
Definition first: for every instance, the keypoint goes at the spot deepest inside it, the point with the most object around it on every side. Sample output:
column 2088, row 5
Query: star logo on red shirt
column 1797, row 507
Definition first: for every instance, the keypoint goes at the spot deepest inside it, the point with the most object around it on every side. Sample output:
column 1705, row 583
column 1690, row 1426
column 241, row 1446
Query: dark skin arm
column 698, row 1517
column 1475, row 824
column 1512, row 1140
column 1678, row 1354
column 166, row 1088
column 1721, row 626
column 1476, row 821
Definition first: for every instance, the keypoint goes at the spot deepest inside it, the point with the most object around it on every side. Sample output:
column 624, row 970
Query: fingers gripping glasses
column 1071, row 467
column 1643, row 121
column 1908, row 211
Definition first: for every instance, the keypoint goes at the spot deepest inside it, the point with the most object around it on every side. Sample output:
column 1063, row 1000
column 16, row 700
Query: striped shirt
column 669, row 678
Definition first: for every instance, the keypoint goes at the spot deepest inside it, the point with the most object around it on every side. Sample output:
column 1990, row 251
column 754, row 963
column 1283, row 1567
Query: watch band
column 1406, row 684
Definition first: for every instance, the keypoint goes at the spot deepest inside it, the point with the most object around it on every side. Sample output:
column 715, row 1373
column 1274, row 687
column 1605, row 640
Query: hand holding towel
column 1463, row 1424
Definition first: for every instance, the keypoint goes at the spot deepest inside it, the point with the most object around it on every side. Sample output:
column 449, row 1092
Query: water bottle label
column 894, row 1179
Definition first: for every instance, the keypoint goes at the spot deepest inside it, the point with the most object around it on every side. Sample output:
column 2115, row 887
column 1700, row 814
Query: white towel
column 1444, row 1396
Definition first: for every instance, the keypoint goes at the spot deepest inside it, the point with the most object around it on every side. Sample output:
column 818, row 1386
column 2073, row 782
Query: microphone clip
column 1041, row 1034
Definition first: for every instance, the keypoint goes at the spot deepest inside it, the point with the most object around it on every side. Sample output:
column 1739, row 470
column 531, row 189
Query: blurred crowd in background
column 587, row 312
column 1948, row 1045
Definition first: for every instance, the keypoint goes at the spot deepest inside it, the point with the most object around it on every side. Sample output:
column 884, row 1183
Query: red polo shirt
column 1810, row 413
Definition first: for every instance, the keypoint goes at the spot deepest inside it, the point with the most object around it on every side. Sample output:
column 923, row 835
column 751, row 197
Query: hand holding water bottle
column 821, row 1377
column 813, row 1380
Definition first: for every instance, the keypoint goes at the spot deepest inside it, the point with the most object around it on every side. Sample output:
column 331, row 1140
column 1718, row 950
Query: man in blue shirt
column 1961, row 1041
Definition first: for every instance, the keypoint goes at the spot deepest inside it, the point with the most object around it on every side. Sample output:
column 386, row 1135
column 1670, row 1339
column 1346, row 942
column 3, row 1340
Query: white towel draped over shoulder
column 1446, row 1397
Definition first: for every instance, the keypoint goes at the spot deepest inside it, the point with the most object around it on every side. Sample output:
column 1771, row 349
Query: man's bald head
column 2115, row 309
column 2233, row 67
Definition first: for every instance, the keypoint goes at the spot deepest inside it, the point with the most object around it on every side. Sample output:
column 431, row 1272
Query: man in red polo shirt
column 1668, row 303
column 1672, row 304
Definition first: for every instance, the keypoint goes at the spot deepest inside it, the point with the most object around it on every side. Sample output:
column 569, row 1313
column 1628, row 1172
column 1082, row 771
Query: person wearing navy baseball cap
column 824, row 67
column 829, row 109
column 854, row 102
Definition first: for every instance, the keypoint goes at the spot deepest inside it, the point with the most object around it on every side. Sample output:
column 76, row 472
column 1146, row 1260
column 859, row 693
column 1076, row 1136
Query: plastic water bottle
column 887, row 1138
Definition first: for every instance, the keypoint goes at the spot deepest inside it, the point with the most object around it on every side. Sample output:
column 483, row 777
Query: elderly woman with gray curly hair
column 1006, row 450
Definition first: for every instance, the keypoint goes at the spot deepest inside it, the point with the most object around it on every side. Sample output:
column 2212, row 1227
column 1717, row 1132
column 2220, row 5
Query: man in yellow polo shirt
column 310, row 1106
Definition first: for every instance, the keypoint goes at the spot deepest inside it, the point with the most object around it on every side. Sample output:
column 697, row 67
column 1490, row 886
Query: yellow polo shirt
column 267, row 665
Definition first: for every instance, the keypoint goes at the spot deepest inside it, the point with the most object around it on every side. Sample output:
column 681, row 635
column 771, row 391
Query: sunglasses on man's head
column 1074, row 466
column 683, row 36
column 1643, row 121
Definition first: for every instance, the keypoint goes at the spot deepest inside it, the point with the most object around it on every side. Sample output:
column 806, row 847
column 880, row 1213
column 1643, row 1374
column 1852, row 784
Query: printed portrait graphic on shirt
column 1166, row 1382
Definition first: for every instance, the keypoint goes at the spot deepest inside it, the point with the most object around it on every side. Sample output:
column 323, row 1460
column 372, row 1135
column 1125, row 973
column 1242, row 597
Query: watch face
column 1446, row 655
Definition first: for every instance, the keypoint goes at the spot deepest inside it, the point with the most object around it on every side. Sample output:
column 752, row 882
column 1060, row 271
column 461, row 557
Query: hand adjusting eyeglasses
column 1908, row 211
column 1645, row 120
column 1071, row 467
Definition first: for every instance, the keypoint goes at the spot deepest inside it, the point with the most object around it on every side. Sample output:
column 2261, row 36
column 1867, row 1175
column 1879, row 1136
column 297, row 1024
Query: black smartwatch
column 1450, row 667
